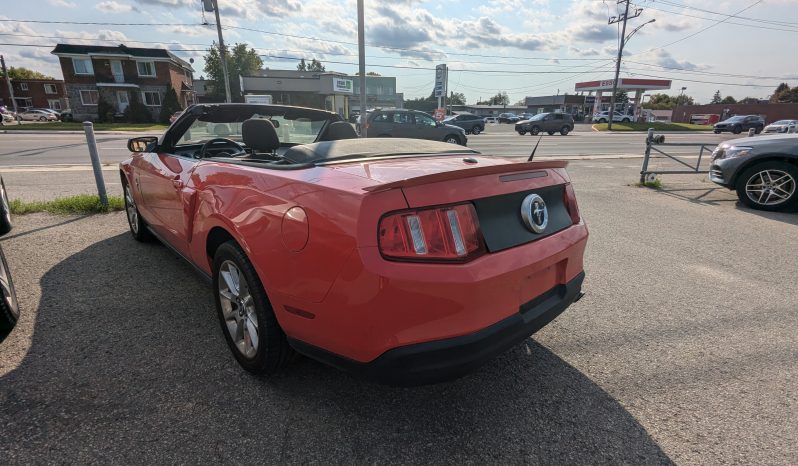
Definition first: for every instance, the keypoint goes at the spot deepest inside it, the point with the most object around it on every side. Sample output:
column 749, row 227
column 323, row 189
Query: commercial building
column 337, row 92
column 637, row 87
column 572, row 104
column 121, row 74
column 769, row 111
column 37, row 93
column 380, row 93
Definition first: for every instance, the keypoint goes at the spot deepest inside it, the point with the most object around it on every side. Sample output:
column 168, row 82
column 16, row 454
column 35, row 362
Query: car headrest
column 221, row 130
column 339, row 130
column 259, row 135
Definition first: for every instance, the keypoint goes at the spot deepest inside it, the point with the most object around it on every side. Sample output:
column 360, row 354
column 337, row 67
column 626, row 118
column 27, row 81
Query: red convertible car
column 404, row 261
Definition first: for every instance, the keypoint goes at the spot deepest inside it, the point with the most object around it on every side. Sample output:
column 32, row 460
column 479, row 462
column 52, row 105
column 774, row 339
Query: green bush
column 169, row 105
column 105, row 112
column 136, row 111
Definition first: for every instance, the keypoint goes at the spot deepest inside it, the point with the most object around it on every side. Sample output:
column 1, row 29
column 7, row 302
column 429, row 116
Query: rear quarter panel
column 250, row 203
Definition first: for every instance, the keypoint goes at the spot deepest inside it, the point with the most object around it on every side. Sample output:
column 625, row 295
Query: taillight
column 448, row 233
column 570, row 203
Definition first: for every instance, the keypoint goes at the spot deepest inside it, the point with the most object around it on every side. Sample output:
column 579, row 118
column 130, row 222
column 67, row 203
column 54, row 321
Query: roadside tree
column 241, row 61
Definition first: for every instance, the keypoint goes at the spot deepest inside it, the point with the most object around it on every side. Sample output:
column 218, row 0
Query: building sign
column 440, row 80
column 342, row 86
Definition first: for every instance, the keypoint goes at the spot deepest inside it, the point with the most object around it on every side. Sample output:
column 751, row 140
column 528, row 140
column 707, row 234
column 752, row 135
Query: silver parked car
column 782, row 126
column 37, row 115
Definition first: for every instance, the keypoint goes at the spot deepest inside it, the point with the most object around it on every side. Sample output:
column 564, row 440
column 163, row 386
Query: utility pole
column 361, row 51
column 616, row 19
column 214, row 4
column 8, row 83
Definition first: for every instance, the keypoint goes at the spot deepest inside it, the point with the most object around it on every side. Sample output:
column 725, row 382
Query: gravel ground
column 683, row 350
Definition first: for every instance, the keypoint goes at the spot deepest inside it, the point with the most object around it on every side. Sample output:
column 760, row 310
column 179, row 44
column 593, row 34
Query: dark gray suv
column 551, row 123
column 399, row 123
column 472, row 124
column 763, row 170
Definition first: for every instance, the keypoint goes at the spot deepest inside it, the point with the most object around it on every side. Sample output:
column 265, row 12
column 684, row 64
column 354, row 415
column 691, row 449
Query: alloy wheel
column 238, row 309
column 132, row 212
column 770, row 187
column 7, row 286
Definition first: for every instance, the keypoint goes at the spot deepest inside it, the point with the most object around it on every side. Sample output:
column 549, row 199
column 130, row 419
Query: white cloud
column 62, row 3
column 115, row 7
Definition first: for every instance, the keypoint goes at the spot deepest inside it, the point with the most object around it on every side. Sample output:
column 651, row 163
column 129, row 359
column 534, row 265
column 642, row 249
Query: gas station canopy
column 625, row 83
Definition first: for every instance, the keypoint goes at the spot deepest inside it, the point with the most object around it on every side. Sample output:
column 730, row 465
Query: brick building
column 769, row 111
column 38, row 93
column 120, row 74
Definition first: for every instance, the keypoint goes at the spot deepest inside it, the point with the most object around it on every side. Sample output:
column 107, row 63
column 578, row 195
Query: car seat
column 260, row 137
column 338, row 130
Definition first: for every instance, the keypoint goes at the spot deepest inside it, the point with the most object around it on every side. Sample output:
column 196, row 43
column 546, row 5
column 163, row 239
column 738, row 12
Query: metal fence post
column 649, row 138
column 751, row 132
column 88, row 127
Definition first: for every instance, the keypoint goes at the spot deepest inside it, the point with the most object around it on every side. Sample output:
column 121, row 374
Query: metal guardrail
column 652, row 145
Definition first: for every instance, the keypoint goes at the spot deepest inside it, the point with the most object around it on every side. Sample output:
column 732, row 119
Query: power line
column 704, row 82
column 708, row 73
column 746, row 18
column 706, row 28
column 687, row 15
column 297, row 36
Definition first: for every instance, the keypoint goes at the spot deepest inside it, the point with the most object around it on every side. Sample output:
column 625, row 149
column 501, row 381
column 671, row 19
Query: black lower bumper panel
column 442, row 360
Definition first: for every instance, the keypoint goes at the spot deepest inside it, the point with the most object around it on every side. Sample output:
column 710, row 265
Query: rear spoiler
column 469, row 173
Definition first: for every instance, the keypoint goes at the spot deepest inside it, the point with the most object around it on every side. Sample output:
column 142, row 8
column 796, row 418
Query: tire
column 451, row 139
column 137, row 225
column 550, row 133
column 565, row 130
column 476, row 130
column 758, row 129
column 626, row 120
column 5, row 210
column 9, row 305
column 716, row 132
column 42, row 118
column 269, row 352
column 534, row 131
column 521, row 132
column 781, row 192
column 602, row 120
column 737, row 130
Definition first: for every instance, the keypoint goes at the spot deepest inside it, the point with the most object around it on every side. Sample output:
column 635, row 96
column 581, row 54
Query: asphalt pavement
column 682, row 351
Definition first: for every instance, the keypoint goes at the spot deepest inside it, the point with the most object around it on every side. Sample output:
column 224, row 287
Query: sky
column 524, row 47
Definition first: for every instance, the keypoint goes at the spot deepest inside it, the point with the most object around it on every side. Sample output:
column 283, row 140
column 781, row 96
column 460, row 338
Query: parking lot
column 682, row 351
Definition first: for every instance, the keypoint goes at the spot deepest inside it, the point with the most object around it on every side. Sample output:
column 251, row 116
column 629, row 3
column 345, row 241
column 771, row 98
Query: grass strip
column 78, row 126
column 657, row 127
column 80, row 204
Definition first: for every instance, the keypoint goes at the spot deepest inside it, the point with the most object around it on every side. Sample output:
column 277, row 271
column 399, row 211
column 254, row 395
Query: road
column 682, row 351
column 43, row 166
column 17, row 148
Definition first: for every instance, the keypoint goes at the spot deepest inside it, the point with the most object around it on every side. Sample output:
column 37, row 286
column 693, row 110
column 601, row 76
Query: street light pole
column 361, row 49
column 8, row 83
column 222, row 53
column 623, row 39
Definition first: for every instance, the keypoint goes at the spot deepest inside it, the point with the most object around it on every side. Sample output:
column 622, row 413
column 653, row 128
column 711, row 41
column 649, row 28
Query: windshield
column 538, row 117
column 736, row 118
column 292, row 129
column 782, row 122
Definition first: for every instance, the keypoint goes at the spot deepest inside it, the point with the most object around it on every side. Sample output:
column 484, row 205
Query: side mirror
column 141, row 144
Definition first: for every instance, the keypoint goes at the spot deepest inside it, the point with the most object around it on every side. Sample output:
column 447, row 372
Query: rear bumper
column 441, row 360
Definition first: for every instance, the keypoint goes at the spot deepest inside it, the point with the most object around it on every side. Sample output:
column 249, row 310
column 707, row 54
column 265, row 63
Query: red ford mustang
column 404, row 261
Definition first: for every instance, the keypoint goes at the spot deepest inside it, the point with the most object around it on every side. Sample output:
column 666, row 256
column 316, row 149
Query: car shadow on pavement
column 706, row 196
column 127, row 363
